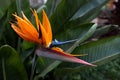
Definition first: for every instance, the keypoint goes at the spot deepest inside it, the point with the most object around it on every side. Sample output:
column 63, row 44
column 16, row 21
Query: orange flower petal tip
column 60, row 50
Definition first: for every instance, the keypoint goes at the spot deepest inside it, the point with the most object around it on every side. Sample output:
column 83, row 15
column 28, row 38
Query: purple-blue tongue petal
column 58, row 55
column 56, row 42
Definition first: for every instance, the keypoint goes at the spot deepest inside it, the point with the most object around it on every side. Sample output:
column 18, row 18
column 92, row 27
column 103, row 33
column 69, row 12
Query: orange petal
column 45, row 29
column 41, row 29
column 47, row 26
column 57, row 48
column 19, row 32
column 60, row 50
column 24, row 36
column 26, row 28
column 44, row 35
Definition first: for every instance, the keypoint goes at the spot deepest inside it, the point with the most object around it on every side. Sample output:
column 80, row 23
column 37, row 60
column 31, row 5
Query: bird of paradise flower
column 42, row 35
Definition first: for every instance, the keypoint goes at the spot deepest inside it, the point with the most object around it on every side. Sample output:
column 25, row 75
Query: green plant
column 69, row 20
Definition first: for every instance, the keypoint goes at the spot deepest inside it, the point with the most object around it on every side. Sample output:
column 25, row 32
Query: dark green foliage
column 11, row 66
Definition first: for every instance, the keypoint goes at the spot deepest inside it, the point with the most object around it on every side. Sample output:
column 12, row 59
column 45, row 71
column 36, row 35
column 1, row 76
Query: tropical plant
column 72, row 30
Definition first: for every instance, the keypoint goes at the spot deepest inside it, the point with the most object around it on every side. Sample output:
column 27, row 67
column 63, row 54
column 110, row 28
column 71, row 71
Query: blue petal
column 56, row 42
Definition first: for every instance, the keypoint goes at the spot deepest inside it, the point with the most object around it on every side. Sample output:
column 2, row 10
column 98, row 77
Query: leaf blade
column 99, row 52
column 12, row 64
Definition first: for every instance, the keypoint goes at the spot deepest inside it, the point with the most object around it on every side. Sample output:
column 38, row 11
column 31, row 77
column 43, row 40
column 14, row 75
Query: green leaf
column 88, row 11
column 45, row 65
column 23, row 6
column 100, row 49
column 102, row 30
column 99, row 52
column 6, row 30
column 51, row 6
column 63, row 12
column 4, row 5
column 73, row 32
column 72, row 13
column 82, row 32
column 83, row 38
column 11, row 66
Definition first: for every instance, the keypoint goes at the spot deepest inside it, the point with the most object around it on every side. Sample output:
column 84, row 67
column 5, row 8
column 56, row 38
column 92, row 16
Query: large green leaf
column 5, row 28
column 100, row 49
column 86, row 13
column 70, row 13
column 11, row 66
column 64, row 11
column 99, row 52
column 73, row 33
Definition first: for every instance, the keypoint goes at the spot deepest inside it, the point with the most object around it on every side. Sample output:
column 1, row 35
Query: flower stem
column 34, row 62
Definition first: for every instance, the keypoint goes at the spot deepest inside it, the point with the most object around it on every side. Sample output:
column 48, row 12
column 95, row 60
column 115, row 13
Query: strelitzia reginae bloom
column 42, row 35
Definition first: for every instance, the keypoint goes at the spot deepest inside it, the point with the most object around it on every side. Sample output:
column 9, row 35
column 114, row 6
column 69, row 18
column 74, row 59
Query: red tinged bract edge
column 62, row 56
